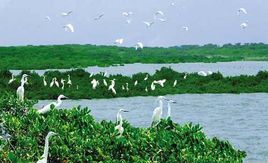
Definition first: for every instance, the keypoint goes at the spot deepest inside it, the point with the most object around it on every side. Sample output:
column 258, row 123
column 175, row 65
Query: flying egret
column 127, row 13
column 185, row 28
column 47, row 18
column 169, row 107
column 139, row 45
column 64, row 14
column 159, row 13
column 62, row 81
column 12, row 79
column 175, row 83
column 20, row 91
column 119, row 119
column 69, row 82
column 242, row 11
column 202, row 73
column 68, row 28
column 94, row 83
column 244, row 25
column 119, row 41
column 57, row 104
column 157, row 113
column 99, row 17
column 162, row 19
column 45, row 154
column 44, row 81
column 148, row 24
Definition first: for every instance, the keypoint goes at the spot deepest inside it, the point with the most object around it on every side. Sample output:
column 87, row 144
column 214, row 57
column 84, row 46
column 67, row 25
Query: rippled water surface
column 241, row 119
column 226, row 68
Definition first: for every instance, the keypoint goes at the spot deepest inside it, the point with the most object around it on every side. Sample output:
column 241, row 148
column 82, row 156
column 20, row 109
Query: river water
column 241, row 119
column 226, row 68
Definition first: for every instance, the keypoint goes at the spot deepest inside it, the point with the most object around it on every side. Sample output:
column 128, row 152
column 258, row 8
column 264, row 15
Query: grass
column 82, row 139
column 194, row 83
column 78, row 56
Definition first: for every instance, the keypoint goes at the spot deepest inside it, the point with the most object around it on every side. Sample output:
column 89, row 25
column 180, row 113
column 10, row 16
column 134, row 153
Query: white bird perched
column 69, row 82
column 160, row 82
column 202, row 73
column 148, row 24
column 57, row 104
column 157, row 113
column 209, row 73
column 159, row 13
column 146, row 89
column 185, row 28
column 105, row 82
column 64, row 14
column 24, row 78
column 242, row 11
column 136, row 83
column 175, row 83
column 111, row 87
column 20, row 90
column 94, row 83
column 119, row 119
column 127, row 13
column 91, row 74
column 68, row 28
column 119, row 41
column 56, row 82
column 127, row 87
column 45, row 154
column 47, row 18
column 169, row 107
column 152, row 86
column 146, row 77
column 123, row 87
column 62, row 81
column 185, row 76
column 139, row 45
column 99, row 17
column 44, row 81
column 244, row 25
column 52, row 82
column 12, row 79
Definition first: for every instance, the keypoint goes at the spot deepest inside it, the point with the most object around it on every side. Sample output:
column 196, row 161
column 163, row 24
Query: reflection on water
column 241, row 119
column 226, row 68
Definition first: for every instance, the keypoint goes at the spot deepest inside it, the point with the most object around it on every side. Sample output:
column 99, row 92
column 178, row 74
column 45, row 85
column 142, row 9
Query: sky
column 209, row 21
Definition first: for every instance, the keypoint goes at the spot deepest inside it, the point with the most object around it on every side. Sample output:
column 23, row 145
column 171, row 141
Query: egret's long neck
column 161, row 104
column 59, row 102
column 45, row 155
column 169, row 109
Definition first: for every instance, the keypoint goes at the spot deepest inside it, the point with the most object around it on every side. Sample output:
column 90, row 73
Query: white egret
column 136, row 83
column 139, row 45
column 148, row 24
column 57, row 104
column 157, row 113
column 127, row 87
column 94, row 83
column 66, row 13
column 146, row 77
column 202, row 73
column 68, row 28
column 146, row 89
column 119, row 119
column 162, row 19
column 47, row 18
column 242, row 11
column 152, row 86
column 69, row 82
column 111, row 87
column 91, row 74
column 52, row 82
column 44, row 81
column 185, row 28
column 119, row 41
column 62, row 81
column 45, row 154
column 175, row 83
column 20, row 91
column 99, row 17
column 159, row 13
column 160, row 82
column 127, row 13
column 56, row 82
column 12, row 79
column 185, row 76
column 123, row 87
column 105, row 82
column 169, row 107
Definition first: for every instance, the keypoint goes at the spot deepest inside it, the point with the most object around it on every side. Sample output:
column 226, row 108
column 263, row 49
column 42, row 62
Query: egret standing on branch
column 157, row 114
column 119, row 119
column 20, row 90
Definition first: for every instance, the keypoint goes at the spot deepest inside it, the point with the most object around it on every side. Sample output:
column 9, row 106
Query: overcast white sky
column 210, row 21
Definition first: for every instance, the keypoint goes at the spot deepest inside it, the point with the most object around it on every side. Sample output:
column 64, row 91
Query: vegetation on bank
column 77, row 56
column 82, row 88
column 82, row 139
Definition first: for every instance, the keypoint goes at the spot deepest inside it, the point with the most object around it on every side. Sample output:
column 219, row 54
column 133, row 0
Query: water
column 226, row 68
column 241, row 119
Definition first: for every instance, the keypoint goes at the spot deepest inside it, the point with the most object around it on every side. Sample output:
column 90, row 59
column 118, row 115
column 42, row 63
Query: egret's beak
column 125, row 111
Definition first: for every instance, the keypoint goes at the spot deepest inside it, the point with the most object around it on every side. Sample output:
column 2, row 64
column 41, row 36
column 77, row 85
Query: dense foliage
column 82, row 88
column 77, row 56
column 82, row 139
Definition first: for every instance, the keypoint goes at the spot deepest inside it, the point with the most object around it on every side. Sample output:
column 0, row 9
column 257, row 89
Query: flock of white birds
column 158, row 16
